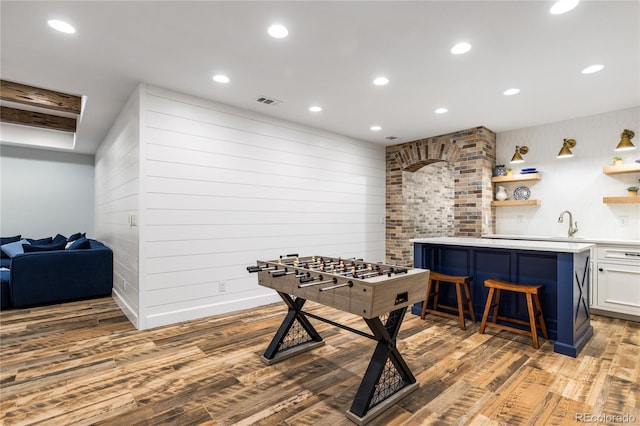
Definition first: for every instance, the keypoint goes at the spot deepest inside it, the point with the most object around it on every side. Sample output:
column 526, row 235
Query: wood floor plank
column 82, row 363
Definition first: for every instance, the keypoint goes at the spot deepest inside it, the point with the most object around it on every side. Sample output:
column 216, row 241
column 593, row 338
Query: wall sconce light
column 565, row 151
column 625, row 141
column 520, row 151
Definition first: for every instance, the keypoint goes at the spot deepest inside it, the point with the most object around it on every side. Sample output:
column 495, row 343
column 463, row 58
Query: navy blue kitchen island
column 562, row 267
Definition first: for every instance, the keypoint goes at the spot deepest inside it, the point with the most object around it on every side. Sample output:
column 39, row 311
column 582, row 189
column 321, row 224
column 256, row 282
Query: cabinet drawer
column 630, row 254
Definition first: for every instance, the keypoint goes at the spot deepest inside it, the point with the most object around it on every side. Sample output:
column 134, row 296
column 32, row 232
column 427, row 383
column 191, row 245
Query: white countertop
column 608, row 241
column 518, row 244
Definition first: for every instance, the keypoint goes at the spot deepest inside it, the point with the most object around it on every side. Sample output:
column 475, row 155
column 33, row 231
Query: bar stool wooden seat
column 531, row 293
column 461, row 284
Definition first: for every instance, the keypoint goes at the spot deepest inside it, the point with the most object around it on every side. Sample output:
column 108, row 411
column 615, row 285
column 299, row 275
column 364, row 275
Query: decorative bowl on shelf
column 521, row 193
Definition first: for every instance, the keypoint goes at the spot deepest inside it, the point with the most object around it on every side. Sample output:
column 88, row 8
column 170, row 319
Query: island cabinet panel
column 565, row 277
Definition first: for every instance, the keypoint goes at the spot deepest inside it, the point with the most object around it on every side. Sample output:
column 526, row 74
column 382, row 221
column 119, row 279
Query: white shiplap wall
column 577, row 183
column 117, row 178
column 222, row 187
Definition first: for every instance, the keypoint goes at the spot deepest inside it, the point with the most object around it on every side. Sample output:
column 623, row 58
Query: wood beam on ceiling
column 37, row 119
column 38, row 97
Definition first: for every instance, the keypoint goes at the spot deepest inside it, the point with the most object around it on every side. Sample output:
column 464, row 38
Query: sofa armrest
column 61, row 275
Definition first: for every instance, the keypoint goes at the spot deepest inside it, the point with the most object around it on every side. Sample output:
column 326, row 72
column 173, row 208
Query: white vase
column 502, row 195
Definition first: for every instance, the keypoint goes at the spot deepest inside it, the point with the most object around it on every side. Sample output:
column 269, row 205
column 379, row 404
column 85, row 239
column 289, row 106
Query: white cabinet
column 616, row 281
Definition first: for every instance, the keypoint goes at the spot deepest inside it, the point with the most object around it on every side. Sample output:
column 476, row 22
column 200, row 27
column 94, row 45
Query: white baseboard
column 166, row 318
column 125, row 307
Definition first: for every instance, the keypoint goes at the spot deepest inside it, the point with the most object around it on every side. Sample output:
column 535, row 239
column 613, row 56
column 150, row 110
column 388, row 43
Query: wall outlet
column 124, row 284
column 520, row 218
column 222, row 286
column 623, row 220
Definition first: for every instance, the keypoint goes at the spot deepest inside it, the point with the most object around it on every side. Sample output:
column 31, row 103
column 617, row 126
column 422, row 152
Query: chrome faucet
column 573, row 227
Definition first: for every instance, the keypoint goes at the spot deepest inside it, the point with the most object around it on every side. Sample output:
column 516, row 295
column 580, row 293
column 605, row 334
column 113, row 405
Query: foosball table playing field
column 379, row 293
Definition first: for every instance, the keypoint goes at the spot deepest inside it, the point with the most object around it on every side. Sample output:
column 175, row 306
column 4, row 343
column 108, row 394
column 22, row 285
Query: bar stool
column 531, row 292
column 461, row 284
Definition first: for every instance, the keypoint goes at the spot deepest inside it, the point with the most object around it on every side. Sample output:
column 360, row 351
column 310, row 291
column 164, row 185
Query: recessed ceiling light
column 278, row 31
column 315, row 108
column 461, row 48
column 381, row 81
column 375, row 128
column 221, row 78
column 63, row 27
column 511, row 92
column 563, row 6
column 441, row 110
column 592, row 68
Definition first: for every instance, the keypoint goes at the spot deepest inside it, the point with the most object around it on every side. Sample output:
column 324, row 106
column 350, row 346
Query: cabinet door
column 618, row 288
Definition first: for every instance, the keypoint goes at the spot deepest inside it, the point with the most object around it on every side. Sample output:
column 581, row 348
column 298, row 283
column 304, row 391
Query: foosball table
column 379, row 293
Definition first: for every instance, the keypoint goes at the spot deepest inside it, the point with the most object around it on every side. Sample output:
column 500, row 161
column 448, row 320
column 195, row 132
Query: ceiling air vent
column 268, row 101
column 391, row 138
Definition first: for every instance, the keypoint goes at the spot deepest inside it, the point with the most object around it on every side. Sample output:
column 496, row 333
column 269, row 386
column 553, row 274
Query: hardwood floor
column 83, row 363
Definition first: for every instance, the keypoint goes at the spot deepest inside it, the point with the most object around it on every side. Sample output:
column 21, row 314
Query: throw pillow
column 76, row 236
column 80, row 244
column 59, row 239
column 15, row 248
column 30, row 248
column 47, row 240
column 7, row 240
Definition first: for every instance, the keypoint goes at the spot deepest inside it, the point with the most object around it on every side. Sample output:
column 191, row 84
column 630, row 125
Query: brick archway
column 472, row 154
column 414, row 155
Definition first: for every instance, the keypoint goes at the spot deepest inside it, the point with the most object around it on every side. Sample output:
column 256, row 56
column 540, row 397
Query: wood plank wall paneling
column 225, row 187
column 117, row 178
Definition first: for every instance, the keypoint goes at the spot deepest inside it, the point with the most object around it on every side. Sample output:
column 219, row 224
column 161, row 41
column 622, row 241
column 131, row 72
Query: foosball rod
column 312, row 283
column 282, row 272
column 261, row 268
column 333, row 287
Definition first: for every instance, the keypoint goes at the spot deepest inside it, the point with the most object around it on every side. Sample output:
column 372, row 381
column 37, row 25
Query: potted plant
column 633, row 191
column 617, row 160
column 509, row 170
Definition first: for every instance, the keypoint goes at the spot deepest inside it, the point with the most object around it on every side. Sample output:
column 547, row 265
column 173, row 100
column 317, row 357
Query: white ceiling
column 333, row 52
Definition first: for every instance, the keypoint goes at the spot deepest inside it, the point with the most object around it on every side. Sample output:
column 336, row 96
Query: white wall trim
column 172, row 317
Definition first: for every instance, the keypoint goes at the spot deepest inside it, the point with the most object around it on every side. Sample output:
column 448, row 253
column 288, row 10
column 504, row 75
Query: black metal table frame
column 387, row 378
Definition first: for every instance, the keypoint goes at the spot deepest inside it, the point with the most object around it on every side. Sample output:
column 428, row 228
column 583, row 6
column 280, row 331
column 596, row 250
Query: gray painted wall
column 43, row 193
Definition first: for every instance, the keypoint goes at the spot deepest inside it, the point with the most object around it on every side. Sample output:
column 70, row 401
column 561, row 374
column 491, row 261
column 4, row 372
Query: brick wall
column 438, row 186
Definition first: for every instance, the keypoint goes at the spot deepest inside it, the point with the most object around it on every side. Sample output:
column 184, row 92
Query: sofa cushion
column 5, row 295
column 59, row 239
column 7, row 240
column 80, row 244
column 47, row 240
column 30, row 248
column 76, row 236
column 15, row 248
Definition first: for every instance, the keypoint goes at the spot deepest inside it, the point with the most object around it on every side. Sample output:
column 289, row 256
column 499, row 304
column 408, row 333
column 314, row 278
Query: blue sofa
column 45, row 277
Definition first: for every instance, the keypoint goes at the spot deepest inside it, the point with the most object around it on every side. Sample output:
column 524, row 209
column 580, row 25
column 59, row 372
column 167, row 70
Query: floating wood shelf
column 516, row 178
column 625, row 168
column 629, row 199
column 507, row 203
